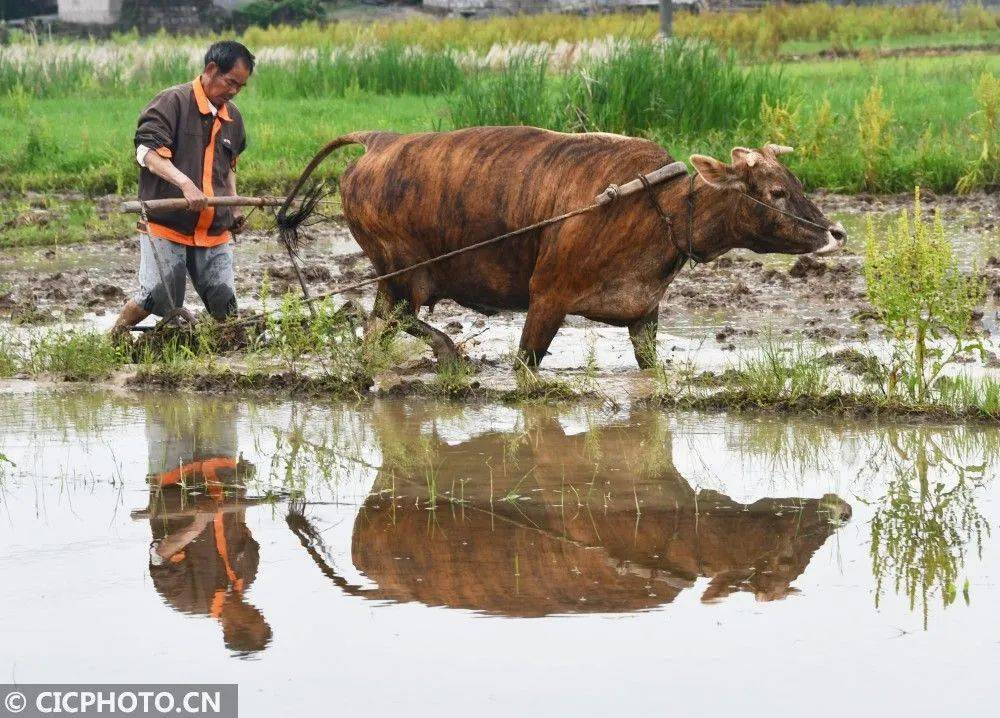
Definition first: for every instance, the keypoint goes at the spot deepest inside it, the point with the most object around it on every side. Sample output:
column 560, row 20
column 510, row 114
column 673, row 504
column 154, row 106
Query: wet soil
column 723, row 304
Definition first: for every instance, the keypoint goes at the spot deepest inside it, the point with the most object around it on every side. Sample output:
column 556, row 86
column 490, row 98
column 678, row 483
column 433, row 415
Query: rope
column 447, row 255
column 787, row 214
column 689, row 254
column 167, row 287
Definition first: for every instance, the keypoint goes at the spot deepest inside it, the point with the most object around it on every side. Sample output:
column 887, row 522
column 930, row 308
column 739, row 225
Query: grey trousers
column 211, row 270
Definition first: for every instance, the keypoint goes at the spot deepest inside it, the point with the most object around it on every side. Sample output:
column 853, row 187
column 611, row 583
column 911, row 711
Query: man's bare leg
column 131, row 315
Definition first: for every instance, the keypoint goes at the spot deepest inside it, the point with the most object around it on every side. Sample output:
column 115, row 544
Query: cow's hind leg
column 388, row 308
column 540, row 327
column 441, row 344
column 642, row 332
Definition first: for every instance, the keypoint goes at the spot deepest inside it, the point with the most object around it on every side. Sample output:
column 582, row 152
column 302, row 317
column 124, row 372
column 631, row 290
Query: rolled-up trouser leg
column 211, row 270
column 152, row 295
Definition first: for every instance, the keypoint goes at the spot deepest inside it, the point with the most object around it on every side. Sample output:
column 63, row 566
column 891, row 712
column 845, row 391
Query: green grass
column 897, row 42
column 73, row 355
column 453, row 379
column 639, row 87
column 61, row 222
column 86, row 144
column 83, row 142
column 818, row 107
column 755, row 33
column 10, row 358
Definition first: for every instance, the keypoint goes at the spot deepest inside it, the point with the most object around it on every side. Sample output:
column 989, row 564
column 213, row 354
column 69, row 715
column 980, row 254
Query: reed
column 632, row 88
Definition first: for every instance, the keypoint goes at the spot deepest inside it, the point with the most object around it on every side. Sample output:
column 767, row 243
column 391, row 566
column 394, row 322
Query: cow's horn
column 778, row 149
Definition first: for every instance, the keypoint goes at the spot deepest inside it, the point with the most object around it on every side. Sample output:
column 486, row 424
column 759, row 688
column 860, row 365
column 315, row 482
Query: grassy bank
column 76, row 137
column 322, row 357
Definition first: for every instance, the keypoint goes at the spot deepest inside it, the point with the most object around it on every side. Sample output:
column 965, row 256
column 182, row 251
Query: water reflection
column 928, row 519
column 202, row 558
column 539, row 521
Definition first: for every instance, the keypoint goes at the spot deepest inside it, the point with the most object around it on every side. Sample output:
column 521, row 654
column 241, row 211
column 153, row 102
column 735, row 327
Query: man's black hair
column 226, row 53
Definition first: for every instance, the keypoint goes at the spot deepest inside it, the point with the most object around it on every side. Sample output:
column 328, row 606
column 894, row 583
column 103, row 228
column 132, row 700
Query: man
column 187, row 142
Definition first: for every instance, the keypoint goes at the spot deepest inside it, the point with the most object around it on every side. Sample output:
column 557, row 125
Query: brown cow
column 557, row 523
column 414, row 197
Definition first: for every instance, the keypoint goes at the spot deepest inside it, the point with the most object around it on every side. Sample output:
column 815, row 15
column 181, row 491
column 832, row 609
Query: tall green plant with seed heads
column 922, row 300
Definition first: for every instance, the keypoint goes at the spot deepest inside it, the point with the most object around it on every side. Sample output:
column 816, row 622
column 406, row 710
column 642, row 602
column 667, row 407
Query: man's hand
column 239, row 223
column 162, row 167
column 196, row 199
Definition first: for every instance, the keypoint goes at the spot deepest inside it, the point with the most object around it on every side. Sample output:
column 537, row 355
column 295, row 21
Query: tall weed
column 985, row 169
column 874, row 135
column 922, row 300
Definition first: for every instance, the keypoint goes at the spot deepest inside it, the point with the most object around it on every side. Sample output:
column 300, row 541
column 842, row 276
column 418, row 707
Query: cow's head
column 759, row 174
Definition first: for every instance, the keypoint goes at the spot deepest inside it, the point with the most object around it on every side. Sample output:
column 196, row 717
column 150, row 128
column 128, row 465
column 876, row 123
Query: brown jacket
column 178, row 124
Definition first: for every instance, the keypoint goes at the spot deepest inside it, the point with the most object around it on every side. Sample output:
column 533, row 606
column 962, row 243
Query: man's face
column 221, row 87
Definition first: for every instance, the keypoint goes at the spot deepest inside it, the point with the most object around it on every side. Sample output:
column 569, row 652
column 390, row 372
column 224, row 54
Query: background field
column 871, row 122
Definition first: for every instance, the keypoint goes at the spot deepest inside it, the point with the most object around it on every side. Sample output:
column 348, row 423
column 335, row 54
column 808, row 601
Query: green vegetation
column 864, row 124
column 772, row 29
column 83, row 144
column 985, row 169
column 781, row 373
column 73, row 355
column 922, row 300
column 877, row 126
column 43, row 220
column 453, row 379
column 637, row 88
column 925, row 307
column 9, row 356
column 264, row 13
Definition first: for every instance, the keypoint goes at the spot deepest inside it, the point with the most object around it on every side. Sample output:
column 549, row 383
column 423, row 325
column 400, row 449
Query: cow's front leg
column 540, row 326
column 642, row 332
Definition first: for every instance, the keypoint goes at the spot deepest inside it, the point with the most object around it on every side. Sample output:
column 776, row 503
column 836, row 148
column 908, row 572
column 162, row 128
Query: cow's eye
column 778, row 193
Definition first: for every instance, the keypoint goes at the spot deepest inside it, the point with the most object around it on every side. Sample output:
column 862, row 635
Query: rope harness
column 689, row 255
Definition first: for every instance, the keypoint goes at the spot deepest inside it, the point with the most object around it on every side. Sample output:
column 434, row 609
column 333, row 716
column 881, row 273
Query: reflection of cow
column 202, row 557
column 551, row 523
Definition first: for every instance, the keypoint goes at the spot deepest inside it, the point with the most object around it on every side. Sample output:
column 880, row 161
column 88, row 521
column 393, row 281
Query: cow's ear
column 716, row 173
column 743, row 153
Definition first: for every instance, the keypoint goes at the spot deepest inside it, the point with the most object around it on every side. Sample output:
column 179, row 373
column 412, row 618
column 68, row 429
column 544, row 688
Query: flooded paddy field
column 409, row 555
column 712, row 308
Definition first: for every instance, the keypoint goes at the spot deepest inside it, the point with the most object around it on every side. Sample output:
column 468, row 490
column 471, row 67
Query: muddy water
column 378, row 558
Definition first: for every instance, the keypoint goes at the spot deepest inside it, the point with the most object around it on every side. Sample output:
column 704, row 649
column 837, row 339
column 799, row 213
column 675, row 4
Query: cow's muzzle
column 836, row 237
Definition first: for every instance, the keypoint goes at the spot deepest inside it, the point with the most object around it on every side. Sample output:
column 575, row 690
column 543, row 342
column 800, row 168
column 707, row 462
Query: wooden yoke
column 667, row 172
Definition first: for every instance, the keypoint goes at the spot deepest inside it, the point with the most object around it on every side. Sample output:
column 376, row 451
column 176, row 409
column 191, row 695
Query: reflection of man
column 203, row 558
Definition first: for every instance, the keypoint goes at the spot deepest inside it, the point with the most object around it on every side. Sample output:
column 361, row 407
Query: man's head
column 228, row 66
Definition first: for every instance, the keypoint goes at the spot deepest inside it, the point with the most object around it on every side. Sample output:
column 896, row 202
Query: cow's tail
column 289, row 221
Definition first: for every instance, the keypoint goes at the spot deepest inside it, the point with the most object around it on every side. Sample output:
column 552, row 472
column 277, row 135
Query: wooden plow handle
column 132, row 207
